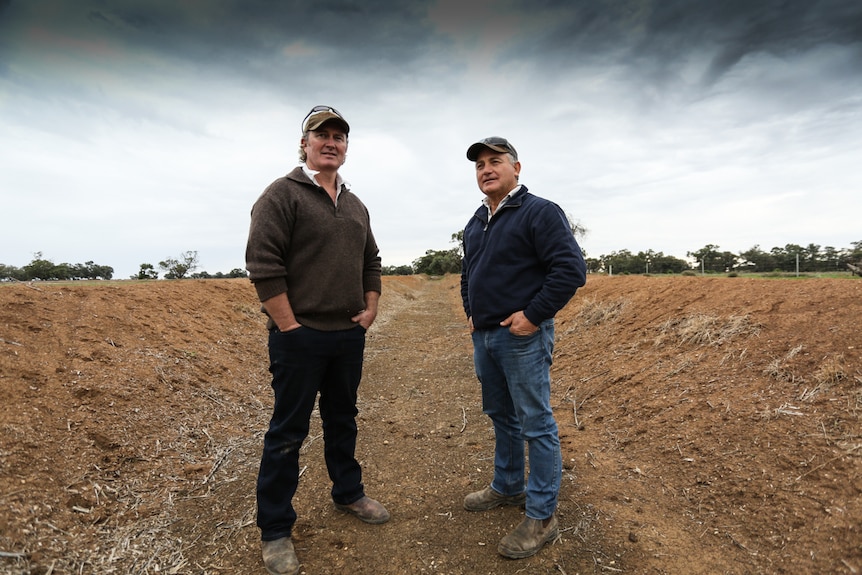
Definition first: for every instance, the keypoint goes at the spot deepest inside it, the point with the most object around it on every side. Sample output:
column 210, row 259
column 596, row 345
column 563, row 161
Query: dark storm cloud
column 654, row 36
column 253, row 34
column 4, row 43
column 672, row 104
column 386, row 39
column 255, row 40
column 779, row 28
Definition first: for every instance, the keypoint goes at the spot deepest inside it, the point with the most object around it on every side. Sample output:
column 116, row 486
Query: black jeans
column 304, row 362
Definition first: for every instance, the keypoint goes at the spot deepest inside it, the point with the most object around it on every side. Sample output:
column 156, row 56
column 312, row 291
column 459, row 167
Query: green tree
column 594, row 265
column 662, row 264
column 785, row 258
column 176, row 269
column 63, row 271
column 8, row 273
column 622, row 262
column 458, row 239
column 810, row 259
column 147, row 272
column 39, row 268
column 92, row 271
column 234, row 273
column 831, row 259
column 44, row 269
column 439, row 262
column 756, row 260
column 710, row 259
column 403, row 270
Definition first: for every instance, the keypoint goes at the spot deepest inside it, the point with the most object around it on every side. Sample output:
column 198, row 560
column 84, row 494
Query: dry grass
column 594, row 312
column 703, row 329
column 143, row 547
column 831, row 371
column 783, row 409
column 779, row 368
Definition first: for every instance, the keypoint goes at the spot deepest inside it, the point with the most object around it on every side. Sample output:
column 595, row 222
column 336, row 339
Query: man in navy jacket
column 521, row 265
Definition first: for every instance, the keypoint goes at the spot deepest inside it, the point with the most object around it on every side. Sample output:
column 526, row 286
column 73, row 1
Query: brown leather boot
column 488, row 498
column 366, row 509
column 279, row 558
column 528, row 537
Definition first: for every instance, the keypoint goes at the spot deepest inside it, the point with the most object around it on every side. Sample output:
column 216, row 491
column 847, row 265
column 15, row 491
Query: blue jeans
column 303, row 363
column 516, row 394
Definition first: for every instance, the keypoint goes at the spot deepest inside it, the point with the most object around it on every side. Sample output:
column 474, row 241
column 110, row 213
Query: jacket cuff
column 270, row 288
column 370, row 283
column 528, row 313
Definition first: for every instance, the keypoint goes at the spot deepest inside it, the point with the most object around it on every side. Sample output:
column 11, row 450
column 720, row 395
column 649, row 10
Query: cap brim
column 320, row 118
column 474, row 150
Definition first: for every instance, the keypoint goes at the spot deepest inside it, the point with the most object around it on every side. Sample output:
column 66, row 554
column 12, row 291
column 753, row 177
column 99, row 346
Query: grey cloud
column 654, row 36
column 231, row 31
column 781, row 28
column 376, row 30
column 373, row 44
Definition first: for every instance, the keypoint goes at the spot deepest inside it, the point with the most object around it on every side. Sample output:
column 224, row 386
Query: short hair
column 303, row 157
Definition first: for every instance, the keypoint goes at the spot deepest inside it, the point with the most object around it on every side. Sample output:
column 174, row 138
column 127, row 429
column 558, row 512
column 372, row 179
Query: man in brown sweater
column 315, row 265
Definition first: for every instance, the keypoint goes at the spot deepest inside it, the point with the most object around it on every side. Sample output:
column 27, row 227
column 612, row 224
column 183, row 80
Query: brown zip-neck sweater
column 322, row 255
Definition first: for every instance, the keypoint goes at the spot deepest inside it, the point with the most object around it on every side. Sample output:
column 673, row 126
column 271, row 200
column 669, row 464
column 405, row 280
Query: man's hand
column 367, row 316
column 279, row 309
column 518, row 324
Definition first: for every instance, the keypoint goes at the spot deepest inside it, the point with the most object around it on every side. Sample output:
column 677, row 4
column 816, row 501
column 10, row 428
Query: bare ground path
column 424, row 443
column 709, row 425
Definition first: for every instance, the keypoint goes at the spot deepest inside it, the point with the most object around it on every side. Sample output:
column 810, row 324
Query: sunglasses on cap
column 318, row 109
column 496, row 141
column 319, row 115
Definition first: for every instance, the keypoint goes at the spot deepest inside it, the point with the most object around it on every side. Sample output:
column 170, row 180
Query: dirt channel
column 709, row 425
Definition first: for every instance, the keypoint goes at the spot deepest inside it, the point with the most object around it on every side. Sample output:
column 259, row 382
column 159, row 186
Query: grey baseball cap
column 494, row 143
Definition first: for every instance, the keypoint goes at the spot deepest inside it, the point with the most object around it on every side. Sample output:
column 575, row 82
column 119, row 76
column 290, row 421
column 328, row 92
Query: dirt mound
column 710, row 425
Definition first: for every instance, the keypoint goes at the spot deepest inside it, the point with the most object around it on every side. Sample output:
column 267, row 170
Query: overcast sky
column 135, row 130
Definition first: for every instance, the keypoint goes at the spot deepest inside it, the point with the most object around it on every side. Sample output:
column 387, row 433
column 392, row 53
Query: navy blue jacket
column 526, row 259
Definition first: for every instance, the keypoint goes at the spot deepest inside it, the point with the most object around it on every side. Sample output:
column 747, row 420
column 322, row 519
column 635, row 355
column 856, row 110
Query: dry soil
column 709, row 425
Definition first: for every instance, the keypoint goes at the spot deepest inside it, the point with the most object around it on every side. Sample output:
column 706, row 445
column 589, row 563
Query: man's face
column 325, row 147
column 495, row 173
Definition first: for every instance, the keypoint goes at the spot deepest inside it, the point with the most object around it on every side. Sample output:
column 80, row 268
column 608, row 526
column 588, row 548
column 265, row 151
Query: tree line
column 183, row 267
column 791, row 257
column 708, row 259
column 44, row 269
column 41, row 268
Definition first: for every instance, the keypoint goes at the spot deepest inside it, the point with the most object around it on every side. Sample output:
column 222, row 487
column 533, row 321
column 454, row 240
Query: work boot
column 528, row 537
column 488, row 498
column 279, row 557
column 366, row 509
